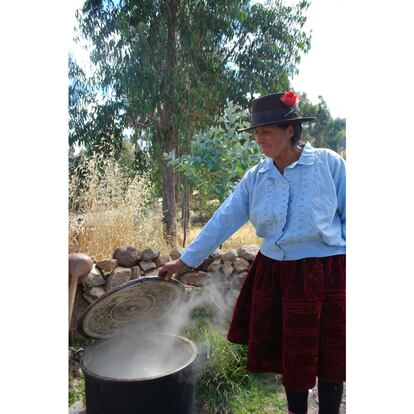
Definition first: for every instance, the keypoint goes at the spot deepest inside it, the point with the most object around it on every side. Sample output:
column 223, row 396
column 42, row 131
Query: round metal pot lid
column 134, row 306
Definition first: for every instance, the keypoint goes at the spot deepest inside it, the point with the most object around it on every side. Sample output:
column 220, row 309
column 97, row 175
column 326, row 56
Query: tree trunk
column 169, row 131
column 185, row 212
column 185, row 209
column 168, row 202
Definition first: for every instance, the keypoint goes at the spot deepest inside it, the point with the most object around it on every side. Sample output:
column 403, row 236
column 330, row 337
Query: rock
column 227, row 268
column 215, row 266
column 94, row 278
column 240, row 264
column 248, row 252
column 150, row 254
column 176, row 252
column 136, row 272
column 118, row 277
column 186, row 269
column 152, row 272
column 127, row 256
column 206, row 263
column 80, row 264
column 76, row 408
column 88, row 298
column 162, row 260
column 194, row 278
column 237, row 280
column 147, row 265
column 230, row 255
column 216, row 254
column 107, row 265
column 95, row 292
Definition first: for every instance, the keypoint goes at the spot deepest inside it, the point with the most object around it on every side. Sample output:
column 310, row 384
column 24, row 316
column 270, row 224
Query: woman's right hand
column 171, row 268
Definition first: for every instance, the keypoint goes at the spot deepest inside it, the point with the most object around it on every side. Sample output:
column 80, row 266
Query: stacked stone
column 228, row 269
column 127, row 263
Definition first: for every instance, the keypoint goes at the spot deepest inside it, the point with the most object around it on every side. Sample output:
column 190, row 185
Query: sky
column 321, row 71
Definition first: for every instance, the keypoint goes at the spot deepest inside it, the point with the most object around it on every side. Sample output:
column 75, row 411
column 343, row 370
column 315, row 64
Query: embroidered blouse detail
column 298, row 214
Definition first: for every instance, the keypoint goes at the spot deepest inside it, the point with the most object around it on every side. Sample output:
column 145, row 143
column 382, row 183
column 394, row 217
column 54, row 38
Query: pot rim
column 128, row 380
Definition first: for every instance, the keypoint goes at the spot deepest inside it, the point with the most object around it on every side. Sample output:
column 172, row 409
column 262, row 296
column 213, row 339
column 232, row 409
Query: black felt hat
column 277, row 108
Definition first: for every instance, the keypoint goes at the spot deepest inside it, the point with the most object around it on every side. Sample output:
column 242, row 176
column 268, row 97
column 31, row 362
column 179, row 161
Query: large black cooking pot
column 136, row 367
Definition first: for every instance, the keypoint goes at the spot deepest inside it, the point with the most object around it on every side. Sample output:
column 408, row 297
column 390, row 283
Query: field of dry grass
column 116, row 210
column 245, row 235
column 100, row 234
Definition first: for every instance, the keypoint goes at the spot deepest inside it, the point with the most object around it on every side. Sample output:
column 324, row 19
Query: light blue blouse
column 298, row 214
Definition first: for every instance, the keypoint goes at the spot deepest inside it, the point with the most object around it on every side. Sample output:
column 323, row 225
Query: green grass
column 77, row 384
column 261, row 395
column 76, row 390
column 224, row 385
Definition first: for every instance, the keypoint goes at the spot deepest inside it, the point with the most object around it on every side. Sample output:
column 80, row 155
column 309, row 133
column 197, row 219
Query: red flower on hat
column 289, row 98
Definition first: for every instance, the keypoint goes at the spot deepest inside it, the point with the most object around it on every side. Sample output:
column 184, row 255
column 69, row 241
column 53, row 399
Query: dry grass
column 245, row 235
column 101, row 235
column 117, row 210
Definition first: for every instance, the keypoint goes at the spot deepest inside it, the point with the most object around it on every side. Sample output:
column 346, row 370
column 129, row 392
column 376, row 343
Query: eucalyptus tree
column 219, row 157
column 326, row 131
column 96, row 125
column 170, row 65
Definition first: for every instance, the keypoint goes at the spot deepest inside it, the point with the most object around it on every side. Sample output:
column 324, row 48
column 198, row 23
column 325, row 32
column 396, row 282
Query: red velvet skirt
column 291, row 315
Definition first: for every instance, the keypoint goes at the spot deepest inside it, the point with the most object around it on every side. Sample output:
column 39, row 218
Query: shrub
column 219, row 158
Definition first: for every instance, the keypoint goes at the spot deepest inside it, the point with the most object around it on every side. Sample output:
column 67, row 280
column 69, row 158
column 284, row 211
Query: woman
column 291, row 308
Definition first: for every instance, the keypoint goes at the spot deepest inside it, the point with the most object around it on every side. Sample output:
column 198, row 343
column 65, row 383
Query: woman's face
column 273, row 140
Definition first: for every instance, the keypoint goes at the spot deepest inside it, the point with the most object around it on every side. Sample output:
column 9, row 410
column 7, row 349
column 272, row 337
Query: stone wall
column 226, row 268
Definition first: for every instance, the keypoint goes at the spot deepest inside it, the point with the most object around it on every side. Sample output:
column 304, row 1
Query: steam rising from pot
column 143, row 354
